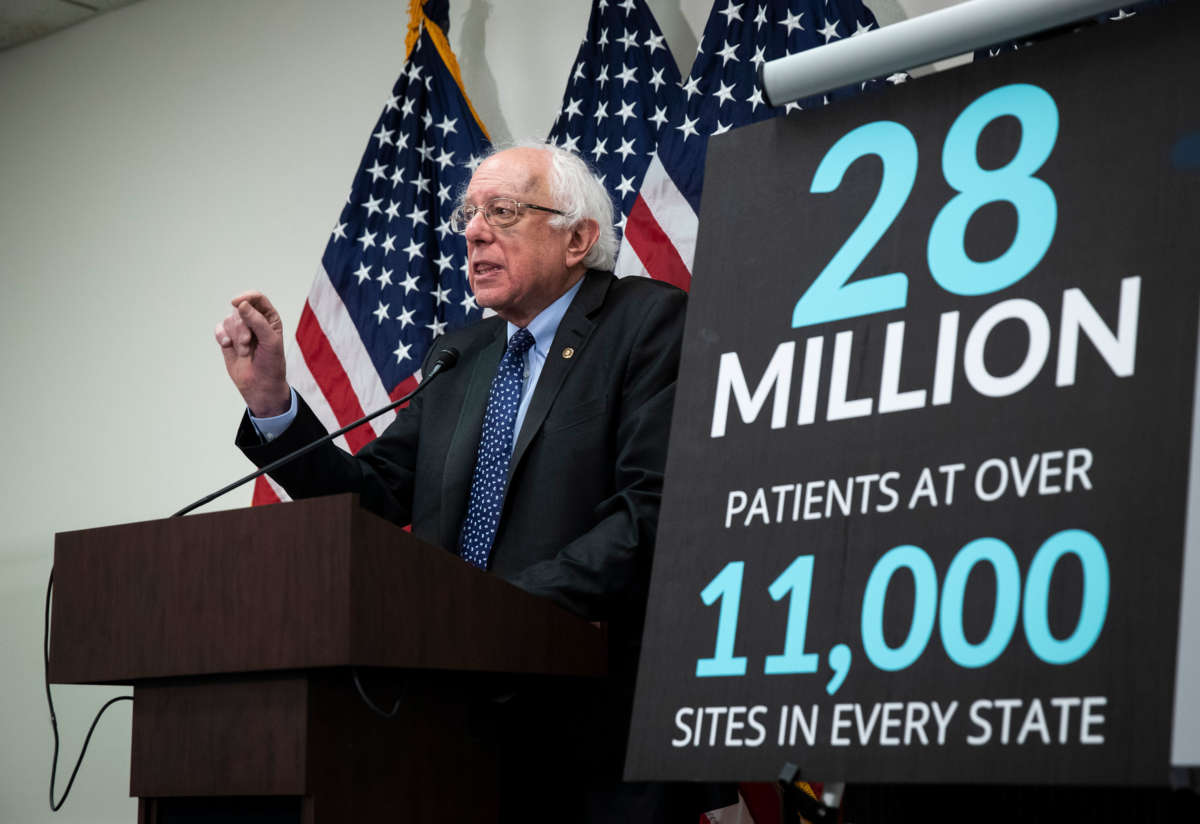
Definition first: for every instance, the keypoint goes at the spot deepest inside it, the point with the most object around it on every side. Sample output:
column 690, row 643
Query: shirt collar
column 545, row 325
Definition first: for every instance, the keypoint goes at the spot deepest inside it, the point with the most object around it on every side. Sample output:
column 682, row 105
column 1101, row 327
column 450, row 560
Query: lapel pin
column 568, row 353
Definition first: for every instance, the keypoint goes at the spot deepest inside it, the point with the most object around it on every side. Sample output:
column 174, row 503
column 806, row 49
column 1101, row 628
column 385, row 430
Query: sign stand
column 798, row 804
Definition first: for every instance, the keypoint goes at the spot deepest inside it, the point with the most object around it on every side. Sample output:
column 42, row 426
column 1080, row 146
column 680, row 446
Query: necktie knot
column 520, row 343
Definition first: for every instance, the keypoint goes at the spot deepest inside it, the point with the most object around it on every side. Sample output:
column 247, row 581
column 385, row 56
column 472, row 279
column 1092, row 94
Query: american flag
column 720, row 93
column 394, row 275
column 623, row 89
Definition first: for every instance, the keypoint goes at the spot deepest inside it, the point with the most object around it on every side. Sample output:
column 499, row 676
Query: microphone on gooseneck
column 443, row 361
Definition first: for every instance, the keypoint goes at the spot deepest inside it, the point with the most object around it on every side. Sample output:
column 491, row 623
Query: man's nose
column 478, row 229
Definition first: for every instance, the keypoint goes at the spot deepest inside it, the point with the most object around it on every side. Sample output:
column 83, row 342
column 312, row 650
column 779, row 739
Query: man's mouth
column 485, row 268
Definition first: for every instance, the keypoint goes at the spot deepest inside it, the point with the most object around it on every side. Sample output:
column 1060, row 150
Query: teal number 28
column 831, row 297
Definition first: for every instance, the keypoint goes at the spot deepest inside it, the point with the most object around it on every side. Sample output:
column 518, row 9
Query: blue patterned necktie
column 495, row 451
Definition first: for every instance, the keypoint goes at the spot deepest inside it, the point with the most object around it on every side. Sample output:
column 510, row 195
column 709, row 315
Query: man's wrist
column 270, row 427
column 273, row 407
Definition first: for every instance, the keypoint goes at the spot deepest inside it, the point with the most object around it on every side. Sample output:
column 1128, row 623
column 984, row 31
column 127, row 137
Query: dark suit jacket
column 585, row 479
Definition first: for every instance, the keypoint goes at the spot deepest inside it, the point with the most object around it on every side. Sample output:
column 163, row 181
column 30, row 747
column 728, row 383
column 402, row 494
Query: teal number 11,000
column 1013, row 605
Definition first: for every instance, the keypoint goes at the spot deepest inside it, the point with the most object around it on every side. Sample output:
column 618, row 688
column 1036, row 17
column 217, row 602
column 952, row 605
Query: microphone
column 443, row 361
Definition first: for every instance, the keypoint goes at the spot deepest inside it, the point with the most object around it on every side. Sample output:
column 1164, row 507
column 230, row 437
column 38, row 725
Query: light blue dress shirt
column 543, row 328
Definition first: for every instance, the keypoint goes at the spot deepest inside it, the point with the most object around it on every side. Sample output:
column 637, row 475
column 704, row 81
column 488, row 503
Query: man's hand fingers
column 256, row 322
column 262, row 305
column 223, row 339
column 226, row 344
column 250, row 296
column 251, row 341
column 241, row 338
column 267, row 309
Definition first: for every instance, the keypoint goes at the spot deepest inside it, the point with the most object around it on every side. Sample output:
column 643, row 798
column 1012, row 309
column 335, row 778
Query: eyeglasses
column 499, row 212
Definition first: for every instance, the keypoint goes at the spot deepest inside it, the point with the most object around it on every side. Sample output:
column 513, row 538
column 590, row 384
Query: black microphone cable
column 371, row 705
column 56, row 806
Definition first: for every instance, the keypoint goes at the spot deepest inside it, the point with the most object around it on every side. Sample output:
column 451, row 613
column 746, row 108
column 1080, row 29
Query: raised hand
column 251, row 341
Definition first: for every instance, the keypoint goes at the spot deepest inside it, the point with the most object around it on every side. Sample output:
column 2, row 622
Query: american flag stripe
column 304, row 383
column 332, row 380
column 661, row 229
column 662, row 195
column 362, row 381
column 393, row 276
column 266, row 492
column 644, row 233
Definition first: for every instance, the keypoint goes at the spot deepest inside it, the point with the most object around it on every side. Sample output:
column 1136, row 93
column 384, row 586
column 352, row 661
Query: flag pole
column 916, row 42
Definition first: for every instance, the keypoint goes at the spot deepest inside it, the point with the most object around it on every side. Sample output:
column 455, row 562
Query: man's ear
column 583, row 237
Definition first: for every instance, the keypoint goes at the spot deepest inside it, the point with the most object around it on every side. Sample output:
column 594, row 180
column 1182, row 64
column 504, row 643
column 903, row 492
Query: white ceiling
column 25, row 20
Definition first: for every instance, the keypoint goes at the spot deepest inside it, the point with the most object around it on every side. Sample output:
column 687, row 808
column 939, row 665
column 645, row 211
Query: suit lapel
column 574, row 330
column 460, row 457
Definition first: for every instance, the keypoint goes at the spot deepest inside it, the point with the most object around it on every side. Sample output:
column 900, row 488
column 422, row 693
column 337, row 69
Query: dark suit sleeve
column 604, row 573
column 381, row 473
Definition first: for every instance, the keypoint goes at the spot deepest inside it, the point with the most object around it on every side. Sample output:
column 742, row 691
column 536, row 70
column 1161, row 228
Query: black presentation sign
column 926, row 490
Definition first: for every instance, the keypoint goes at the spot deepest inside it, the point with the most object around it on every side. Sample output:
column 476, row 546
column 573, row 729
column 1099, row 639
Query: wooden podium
column 240, row 632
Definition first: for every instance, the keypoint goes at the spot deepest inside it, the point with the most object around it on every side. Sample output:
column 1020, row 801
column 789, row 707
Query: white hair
column 576, row 191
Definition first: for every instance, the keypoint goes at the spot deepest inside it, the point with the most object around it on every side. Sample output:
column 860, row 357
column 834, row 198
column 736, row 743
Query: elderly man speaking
column 539, row 458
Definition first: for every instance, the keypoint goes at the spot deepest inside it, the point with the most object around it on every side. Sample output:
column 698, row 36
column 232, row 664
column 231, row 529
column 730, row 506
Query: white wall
column 153, row 162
